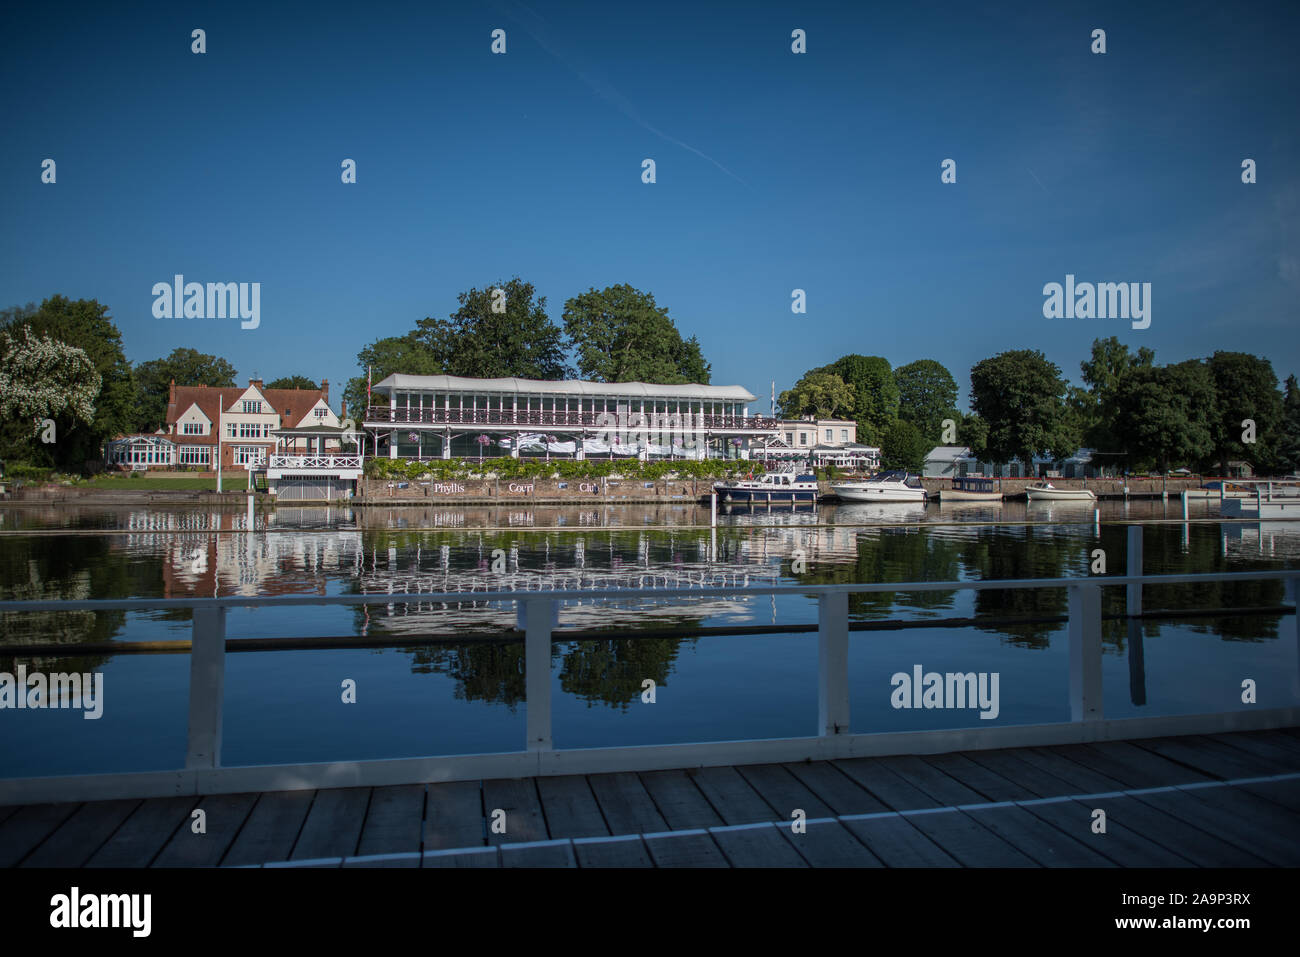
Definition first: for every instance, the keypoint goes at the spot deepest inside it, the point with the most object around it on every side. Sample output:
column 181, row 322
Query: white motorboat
column 885, row 487
column 1047, row 492
column 966, row 489
column 772, row 487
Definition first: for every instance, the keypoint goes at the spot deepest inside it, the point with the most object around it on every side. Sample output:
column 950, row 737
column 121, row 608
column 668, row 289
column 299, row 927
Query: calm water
column 468, row 696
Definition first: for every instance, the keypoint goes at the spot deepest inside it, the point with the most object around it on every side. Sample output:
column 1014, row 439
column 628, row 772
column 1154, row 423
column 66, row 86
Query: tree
column 1246, row 388
column 153, row 381
column 383, row 357
column 973, row 432
column 86, row 325
column 292, row 382
column 42, row 379
column 1165, row 415
column 927, row 394
column 819, row 394
column 1289, row 453
column 1093, row 410
column 1021, row 396
column 904, row 447
column 621, row 335
column 875, row 403
column 497, row 332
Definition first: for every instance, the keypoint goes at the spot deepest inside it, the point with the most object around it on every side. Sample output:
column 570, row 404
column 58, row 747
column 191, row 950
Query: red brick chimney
column 343, row 410
column 256, row 382
column 325, row 388
column 171, row 393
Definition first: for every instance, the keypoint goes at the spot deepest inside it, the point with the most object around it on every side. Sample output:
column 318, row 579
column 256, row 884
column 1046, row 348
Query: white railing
column 315, row 462
column 537, row 612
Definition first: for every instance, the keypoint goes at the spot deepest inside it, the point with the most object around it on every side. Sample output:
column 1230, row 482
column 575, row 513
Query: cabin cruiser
column 772, row 487
column 966, row 489
column 885, row 487
column 1047, row 492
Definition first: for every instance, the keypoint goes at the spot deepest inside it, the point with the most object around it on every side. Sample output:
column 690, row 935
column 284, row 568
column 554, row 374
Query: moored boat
column 967, row 489
column 772, row 487
column 885, row 487
column 1048, row 492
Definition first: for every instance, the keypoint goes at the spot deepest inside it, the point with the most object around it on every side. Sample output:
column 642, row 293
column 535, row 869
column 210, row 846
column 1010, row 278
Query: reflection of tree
column 892, row 555
column 486, row 671
column 46, row 568
column 611, row 672
column 1024, row 552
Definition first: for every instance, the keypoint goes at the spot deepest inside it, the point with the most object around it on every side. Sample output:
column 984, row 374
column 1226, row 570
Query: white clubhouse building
column 442, row 416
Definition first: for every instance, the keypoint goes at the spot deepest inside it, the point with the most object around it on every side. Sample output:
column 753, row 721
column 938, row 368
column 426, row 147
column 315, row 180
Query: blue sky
column 775, row 171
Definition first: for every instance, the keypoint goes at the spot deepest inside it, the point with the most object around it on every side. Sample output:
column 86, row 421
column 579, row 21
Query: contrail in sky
column 537, row 29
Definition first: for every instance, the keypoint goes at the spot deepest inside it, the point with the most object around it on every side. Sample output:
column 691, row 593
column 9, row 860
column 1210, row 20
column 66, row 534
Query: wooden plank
column 1146, row 769
column 271, row 829
column 1278, row 844
column 1252, row 807
column 1015, row 768
column 151, row 825
column 490, row 858
column 31, row 825
column 224, row 815
column 626, row 804
column 1282, row 793
column 735, row 799
column 836, row 789
column 524, row 820
column 454, row 816
column 550, row 855
column 1284, row 756
column 784, row 792
column 1221, row 761
column 1152, row 821
column 1123, row 845
column 1079, row 778
column 679, row 800
column 1276, row 738
column 884, row 785
column 8, row 809
column 1251, row 753
column 972, row 844
column 1037, row 839
column 394, row 821
column 570, row 807
column 691, row 850
column 830, row 844
column 990, row 785
column 897, row 843
column 944, row 789
column 333, row 824
column 631, row 853
column 408, row 859
column 73, row 842
column 757, row 847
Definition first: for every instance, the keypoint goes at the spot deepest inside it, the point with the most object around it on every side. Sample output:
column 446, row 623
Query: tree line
column 1200, row 413
column 62, row 362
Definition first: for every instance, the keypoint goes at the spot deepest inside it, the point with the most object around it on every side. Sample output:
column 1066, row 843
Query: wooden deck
column 1225, row 800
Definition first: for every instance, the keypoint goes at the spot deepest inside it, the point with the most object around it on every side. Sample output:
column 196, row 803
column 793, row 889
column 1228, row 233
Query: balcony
column 338, row 466
column 592, row 421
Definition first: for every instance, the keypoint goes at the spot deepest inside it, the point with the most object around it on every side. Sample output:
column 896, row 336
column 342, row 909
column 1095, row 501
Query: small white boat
column 885, row 487
column 1047, row 492
column 967, row 489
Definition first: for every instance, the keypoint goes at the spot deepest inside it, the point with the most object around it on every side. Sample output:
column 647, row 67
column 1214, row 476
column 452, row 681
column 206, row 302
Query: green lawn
column 153, row 483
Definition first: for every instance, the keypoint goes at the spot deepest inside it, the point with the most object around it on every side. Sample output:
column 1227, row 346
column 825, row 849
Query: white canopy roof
column 450, row 383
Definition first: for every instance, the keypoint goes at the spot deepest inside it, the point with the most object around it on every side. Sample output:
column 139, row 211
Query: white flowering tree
column 43, row 378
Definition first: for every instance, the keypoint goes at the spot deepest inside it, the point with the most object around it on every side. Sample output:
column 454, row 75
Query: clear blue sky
column 775, row 171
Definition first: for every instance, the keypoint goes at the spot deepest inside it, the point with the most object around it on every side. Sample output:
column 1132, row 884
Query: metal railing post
column 1133, row 566
column 207, row 687
column 833, row 664
column 537, row 672
column 1085, row 652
